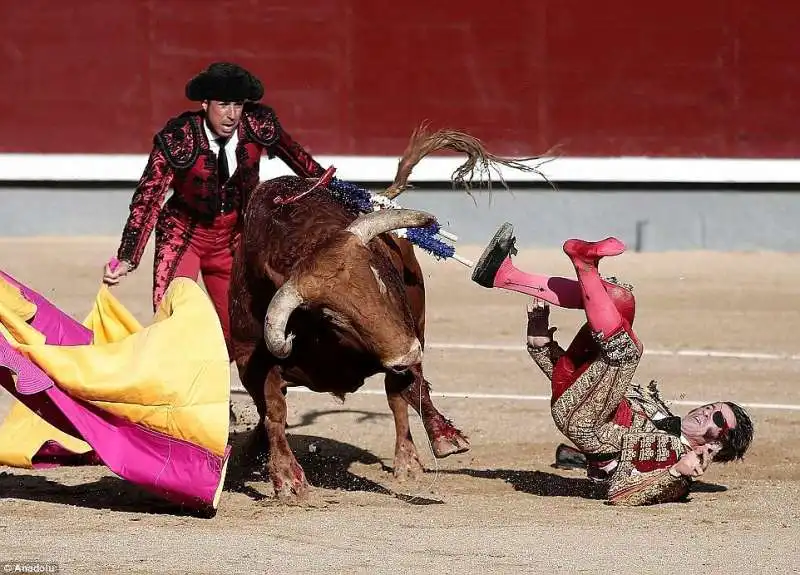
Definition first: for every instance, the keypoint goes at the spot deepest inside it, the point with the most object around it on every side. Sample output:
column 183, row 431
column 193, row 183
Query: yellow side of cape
column 23, row 432
column 172, row 376
column 14, row 302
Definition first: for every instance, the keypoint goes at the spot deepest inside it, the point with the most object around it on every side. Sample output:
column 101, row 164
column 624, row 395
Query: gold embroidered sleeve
column 618, row 349
column 649, row 488
column 546, row 356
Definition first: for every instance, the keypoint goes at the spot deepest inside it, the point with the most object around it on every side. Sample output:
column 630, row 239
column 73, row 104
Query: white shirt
column 230, row 146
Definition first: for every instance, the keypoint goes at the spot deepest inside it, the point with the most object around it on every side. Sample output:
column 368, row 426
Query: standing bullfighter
column 628, row 436
column 211, row 158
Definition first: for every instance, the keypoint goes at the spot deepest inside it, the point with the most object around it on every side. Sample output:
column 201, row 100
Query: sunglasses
column 719, row 420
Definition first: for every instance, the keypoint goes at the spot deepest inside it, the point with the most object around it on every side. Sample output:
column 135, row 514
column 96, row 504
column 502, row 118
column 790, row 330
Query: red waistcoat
column 182, row 158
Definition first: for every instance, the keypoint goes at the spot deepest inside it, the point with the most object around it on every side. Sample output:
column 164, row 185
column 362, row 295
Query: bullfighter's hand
column 706, row 453
column 539, row 331
column 112, row 277
column 691, row 464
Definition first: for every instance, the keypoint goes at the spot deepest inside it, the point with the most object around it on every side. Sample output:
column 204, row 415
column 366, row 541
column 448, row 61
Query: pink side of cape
column 174, row 469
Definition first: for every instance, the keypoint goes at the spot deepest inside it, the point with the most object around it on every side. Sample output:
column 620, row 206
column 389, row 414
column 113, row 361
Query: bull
column 324, row 297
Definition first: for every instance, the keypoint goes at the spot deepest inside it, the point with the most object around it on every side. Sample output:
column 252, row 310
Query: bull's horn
column 283, row 303
column 371, row 224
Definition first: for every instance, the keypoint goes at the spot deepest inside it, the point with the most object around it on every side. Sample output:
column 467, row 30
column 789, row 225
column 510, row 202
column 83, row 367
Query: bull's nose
column 412, row 357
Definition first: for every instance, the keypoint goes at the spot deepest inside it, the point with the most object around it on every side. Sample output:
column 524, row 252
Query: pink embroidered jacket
column 181, row 158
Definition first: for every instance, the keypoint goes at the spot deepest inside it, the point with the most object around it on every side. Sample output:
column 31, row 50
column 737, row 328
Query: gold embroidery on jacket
column 546, row 357
column 583, row 412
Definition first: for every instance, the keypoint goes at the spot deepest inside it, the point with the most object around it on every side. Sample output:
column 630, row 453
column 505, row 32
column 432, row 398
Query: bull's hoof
column 445, row 438
column 289, row 482
column 406, row 463
column 449, row 443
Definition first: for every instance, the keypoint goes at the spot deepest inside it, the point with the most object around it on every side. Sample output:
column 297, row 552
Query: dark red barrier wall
column 683, row 78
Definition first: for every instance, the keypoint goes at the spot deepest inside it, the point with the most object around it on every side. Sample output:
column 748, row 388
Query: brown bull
column 324, row 299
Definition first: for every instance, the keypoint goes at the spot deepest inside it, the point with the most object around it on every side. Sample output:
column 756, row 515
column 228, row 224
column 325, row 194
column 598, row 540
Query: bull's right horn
column 371, row 224
column 283, row 303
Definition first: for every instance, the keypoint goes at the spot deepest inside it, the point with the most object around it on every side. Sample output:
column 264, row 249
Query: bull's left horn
column 371, row 224
column 283, row 303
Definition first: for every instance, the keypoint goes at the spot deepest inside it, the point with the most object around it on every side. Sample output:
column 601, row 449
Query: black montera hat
column 225, row 82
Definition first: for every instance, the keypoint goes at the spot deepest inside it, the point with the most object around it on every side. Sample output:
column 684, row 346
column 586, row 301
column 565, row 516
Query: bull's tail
column 422, row 143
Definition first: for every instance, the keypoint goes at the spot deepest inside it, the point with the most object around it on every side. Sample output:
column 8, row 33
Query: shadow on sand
column 326, row 465
column 109, row 493
column 538, row 482
column 325, row 461
column 311, row 417
column 545, row 484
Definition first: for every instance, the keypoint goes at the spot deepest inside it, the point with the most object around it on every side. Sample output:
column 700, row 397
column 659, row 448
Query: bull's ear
column 369, row 225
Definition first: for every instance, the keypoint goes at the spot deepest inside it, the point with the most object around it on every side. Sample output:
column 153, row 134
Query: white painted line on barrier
column 476, row 346
column 128, row 168
column 521, row 397
column 659, row 352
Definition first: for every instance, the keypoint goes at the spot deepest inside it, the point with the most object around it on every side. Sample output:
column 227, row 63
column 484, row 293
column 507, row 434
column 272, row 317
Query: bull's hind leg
column 445, row 438
column 406, row 459
column 288, row 478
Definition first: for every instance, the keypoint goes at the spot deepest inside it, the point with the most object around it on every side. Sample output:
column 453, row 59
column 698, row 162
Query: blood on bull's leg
column 288, row 478
column 412, row 387
column 406, row 459
column 445, row 438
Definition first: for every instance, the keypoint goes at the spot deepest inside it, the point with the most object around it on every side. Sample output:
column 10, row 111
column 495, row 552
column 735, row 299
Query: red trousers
column 186, row 248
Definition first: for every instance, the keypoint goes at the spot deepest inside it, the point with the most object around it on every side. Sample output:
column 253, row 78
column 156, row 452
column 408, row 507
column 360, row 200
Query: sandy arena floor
column 500, row 507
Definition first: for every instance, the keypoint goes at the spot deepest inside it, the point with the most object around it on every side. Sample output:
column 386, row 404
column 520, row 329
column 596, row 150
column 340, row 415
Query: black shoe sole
column 569, row 458
column 500, row 246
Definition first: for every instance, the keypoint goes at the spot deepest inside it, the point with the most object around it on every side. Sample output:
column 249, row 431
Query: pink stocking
column 601, row 313
column 559, row 291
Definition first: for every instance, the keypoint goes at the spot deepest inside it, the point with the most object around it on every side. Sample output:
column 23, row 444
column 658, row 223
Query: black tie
column 222, row 161
column 671, row 425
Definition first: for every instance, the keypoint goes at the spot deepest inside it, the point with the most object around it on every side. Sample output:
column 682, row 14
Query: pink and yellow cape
column 150, row 403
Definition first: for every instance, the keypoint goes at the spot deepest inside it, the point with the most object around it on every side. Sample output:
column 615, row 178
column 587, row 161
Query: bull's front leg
column 288, row 478
column 445, row 438
column 406, row 459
